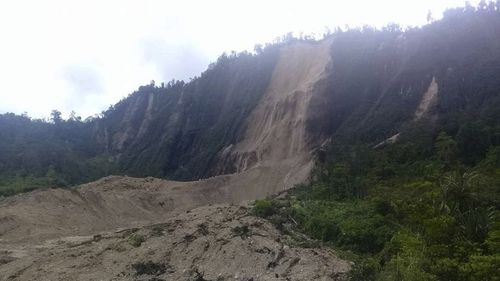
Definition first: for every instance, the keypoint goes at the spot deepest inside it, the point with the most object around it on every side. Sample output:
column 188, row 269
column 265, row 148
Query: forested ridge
column 177, row 136
column 424, row 206
column 177, row 130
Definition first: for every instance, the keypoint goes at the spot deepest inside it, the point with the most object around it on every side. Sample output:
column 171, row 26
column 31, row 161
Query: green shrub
column 149, row 268
column 136, row 240
column 242, row 231
column 482, row 268
column 406, row 268
column 350, row 225
column 264, row 208
column 364, row 270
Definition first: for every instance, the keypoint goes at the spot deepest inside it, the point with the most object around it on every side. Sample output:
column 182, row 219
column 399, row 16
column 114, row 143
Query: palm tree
column 459, row 200
column 457, row 192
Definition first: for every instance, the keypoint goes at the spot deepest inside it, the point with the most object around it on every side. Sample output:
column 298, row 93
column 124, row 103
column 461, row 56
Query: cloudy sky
column 84, row 55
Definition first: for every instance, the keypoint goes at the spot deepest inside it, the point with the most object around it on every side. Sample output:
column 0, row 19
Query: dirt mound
column 114, row 202
column 208, row 243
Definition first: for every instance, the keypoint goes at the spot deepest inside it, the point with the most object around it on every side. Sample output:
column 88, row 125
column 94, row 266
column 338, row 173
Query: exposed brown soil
column 114, row 202
column 209, row 243
column 276, row 134
column 429, row 100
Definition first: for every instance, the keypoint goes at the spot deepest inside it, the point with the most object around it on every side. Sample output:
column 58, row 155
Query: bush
column 483, row 268
column 264, row 208
column 350, row 225
column 149, row 268
column 136, row 240
column 364, row 270
column 242, row 231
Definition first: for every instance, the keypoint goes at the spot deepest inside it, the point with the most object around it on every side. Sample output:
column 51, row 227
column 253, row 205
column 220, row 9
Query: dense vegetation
column 403, row 215
column 428, row 206
column 379, row 76
column 37, row 153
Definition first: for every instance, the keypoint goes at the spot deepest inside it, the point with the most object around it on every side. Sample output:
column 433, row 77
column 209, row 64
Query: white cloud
column 50, row 50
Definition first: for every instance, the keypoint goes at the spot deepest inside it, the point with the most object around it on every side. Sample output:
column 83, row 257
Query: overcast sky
column 84, row 55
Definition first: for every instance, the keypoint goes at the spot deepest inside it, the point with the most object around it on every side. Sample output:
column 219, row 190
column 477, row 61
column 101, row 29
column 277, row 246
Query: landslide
column 217, row 242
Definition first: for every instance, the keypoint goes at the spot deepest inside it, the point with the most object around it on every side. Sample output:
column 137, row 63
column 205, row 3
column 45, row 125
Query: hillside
column 383, row 144
column 365, row 85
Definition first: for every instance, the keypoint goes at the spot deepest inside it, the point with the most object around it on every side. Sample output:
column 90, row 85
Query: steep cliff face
column 276, row 135
column 251, row 113
column 382, row 83
column 243, row 121
column 268, row 134
column 176, row 130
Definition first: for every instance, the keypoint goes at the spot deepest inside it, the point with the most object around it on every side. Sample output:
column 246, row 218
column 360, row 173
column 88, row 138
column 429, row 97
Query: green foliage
column 242, row 231
column 149, row 268
column 353, row 225
column 12, row 185
column 136, row 240
column 482, row 268
column 408, row 260
column 37, row 154
column 405, row 267
column 437, row 222
column 493, row 240
column 264, row 208
column 364, row 269
column 446, row 149
column 492, row 159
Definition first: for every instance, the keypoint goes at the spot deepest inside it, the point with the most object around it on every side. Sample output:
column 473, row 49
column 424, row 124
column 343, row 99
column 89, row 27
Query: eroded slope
column 276, row 136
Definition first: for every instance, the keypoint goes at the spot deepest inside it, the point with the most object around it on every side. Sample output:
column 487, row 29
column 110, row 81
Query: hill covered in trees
column 370, row 93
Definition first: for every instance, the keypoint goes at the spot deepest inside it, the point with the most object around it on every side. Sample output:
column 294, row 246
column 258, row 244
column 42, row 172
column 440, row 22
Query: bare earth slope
column 110, row 203
column 276, row 137
column 209, row 243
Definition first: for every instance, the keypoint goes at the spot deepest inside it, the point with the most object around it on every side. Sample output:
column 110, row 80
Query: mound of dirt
column 114, row 202
column 218, row 242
